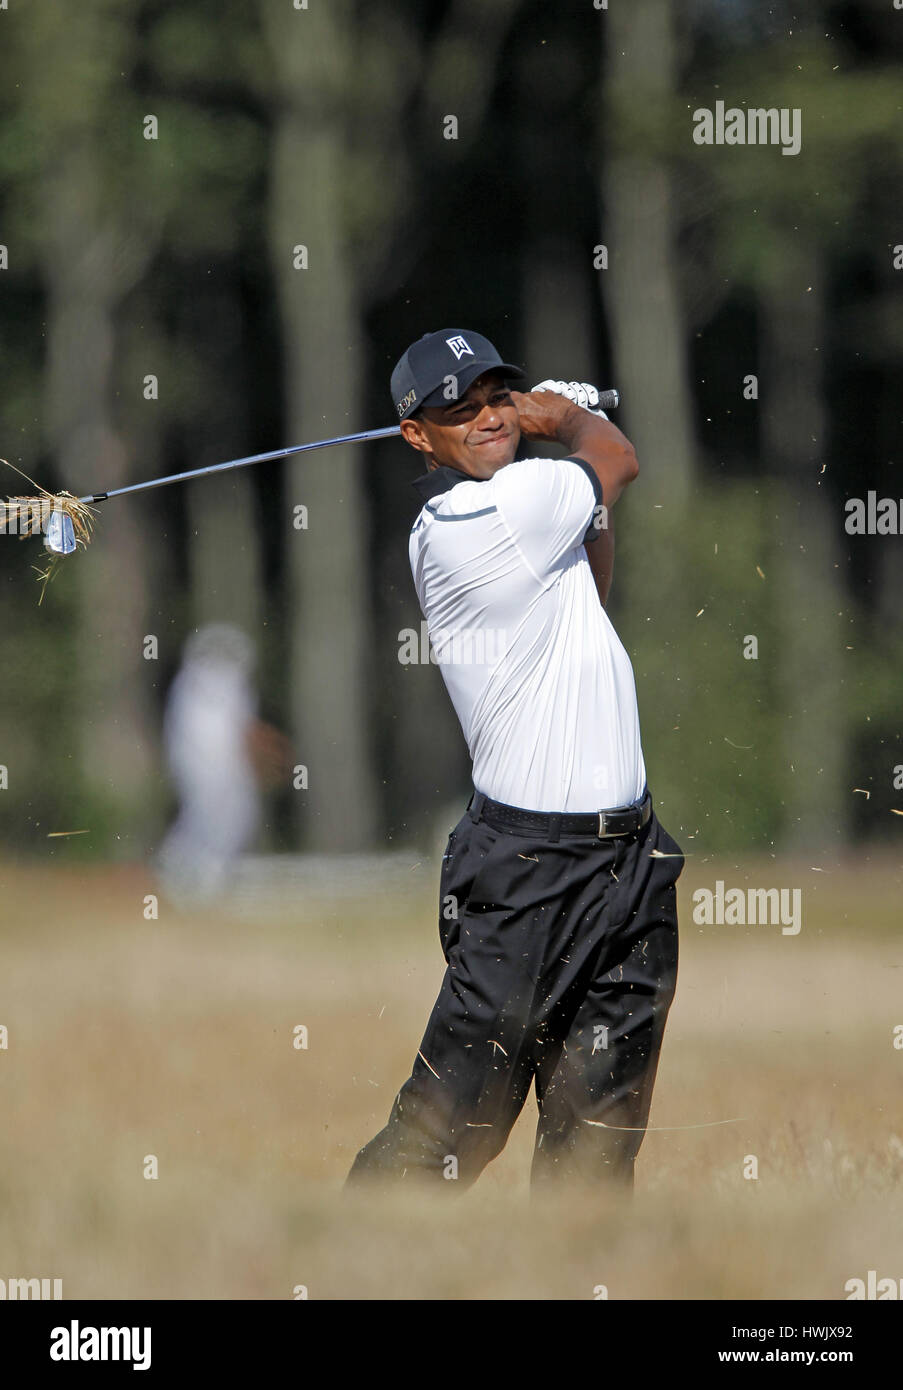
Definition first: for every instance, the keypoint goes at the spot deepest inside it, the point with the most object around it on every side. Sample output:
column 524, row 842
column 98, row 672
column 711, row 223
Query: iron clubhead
column 59, row 534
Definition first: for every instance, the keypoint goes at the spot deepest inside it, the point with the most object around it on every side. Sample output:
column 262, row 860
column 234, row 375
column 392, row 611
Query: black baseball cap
column 421, row 376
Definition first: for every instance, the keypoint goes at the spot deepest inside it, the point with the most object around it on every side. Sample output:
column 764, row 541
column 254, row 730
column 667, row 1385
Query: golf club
column 60, row 537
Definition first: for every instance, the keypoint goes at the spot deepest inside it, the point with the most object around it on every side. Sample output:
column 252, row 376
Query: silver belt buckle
column 602, row 834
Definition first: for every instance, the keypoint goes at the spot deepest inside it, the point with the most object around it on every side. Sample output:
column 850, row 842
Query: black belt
column 601, row 825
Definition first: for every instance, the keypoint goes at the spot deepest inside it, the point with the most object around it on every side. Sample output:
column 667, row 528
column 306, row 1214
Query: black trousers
column 562, row 964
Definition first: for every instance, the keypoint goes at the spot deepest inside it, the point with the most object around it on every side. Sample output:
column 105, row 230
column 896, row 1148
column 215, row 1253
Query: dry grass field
column 174, row 1037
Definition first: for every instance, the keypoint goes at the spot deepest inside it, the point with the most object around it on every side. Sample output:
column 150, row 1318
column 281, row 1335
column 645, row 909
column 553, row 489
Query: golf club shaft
column 242, row 463
column 607, row 401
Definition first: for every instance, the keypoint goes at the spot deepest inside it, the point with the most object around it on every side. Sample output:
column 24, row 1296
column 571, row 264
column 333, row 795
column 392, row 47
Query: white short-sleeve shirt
column 540, row 682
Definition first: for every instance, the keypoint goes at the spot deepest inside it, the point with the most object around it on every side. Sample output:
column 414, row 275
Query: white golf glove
column 582, row 393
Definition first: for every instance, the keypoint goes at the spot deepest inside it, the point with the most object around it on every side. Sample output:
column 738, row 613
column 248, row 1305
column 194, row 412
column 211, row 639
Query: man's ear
column 413, row 432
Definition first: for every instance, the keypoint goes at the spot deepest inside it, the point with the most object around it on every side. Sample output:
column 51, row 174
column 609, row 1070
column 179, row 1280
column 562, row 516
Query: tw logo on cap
column 459, row 347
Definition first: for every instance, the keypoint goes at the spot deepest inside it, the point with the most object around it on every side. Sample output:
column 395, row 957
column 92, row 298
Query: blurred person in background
column 218, row 753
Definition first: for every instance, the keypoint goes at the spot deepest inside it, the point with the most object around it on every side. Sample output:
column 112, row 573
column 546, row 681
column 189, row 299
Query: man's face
column 478, row 433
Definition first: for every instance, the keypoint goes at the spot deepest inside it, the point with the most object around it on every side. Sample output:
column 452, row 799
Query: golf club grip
column 609, row 400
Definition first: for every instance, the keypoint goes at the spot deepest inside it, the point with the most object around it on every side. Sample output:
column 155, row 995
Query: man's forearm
column 609, row 453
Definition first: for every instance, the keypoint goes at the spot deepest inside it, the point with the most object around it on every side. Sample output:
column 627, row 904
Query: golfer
column 557, row 902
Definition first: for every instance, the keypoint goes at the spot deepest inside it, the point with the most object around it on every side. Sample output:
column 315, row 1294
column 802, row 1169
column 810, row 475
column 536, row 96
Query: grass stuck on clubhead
column 63, row 520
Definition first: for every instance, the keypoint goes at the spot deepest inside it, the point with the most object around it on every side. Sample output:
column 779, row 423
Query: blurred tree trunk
column 225, row 531
column 654, row 585
column 557, row 319
column 809, row 598
column 640, row 287
column 226, row 579
column 89, row 261
column 329, row 584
